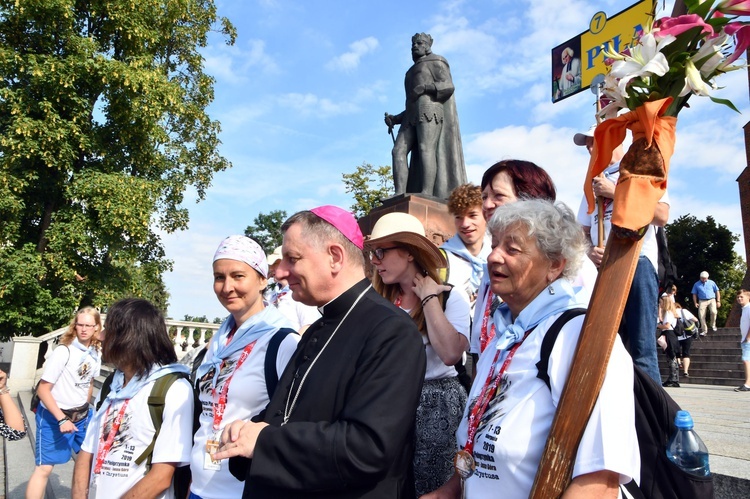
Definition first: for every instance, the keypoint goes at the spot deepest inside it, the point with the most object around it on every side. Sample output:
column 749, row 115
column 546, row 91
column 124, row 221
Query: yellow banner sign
column 576, row 62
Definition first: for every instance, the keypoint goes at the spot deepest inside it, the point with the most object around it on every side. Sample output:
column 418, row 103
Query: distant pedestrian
column 706, row 295
column 686, row 338
column 666, row 327
column 743, row 298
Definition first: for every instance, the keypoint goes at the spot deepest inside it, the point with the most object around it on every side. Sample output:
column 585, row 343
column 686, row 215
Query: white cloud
column 349, row 61
column 310, row 104
column 235, row 65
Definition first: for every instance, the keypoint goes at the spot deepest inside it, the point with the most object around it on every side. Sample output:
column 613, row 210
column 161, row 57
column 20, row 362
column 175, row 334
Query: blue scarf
column 267, row 320
column 118, row 392
column 90, row 351
column 456, row 246
column 546, row 304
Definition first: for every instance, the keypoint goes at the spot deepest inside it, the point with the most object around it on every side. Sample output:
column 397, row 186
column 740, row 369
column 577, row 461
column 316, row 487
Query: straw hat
column 405, row 229
column 274, row 257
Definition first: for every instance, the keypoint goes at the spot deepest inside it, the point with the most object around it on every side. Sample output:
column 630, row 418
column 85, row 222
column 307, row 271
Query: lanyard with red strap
column 106, row 444
column 464, row 460
column 484, row 337
column 220, row 406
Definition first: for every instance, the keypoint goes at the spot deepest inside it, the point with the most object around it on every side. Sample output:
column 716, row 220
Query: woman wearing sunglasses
column 406, row 273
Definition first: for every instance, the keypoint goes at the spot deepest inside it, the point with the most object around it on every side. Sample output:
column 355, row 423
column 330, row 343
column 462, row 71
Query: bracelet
column 62, row 421
column 5, row 391
column 428, row 298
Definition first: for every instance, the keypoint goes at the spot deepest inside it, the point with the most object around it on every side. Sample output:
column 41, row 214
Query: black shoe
column 686, row 374
column 674, row 384
column 742, row 388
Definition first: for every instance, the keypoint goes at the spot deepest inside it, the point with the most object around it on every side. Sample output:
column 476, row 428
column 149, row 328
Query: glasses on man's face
column 379, row 253
column 85, row 326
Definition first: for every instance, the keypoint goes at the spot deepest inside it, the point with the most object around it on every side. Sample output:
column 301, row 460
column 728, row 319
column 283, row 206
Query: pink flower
column 741, row 33
column 677, row 25
column 734, row 7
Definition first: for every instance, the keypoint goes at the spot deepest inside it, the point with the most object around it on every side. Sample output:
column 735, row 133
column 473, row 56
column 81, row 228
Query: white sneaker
column 713, row 328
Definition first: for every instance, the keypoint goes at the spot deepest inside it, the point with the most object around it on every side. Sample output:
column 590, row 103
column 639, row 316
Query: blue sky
column 302, row 93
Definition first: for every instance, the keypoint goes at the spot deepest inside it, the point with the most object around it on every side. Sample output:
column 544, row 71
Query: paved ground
column 722, row 419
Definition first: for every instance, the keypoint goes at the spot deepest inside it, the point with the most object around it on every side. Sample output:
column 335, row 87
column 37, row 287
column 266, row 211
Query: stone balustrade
column 25, row 359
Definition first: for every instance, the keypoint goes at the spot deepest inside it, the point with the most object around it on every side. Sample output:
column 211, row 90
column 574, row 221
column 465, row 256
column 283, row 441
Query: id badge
column 92, row 486
column 212, row 446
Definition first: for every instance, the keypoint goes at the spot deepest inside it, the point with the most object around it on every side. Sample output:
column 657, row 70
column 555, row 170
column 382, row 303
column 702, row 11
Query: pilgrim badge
column 464, row 464
column 212, row 447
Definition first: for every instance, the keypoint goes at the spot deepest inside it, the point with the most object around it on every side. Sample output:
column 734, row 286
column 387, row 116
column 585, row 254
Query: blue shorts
column 52, row 446
column 745, row 351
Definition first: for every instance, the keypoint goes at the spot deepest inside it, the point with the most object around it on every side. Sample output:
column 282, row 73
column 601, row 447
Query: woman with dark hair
column 136, row 342
column 64, row 394
column 505, row 182
column 406, row 273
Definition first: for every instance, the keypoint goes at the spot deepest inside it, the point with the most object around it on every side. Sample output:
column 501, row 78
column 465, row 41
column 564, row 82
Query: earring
column 551, row 289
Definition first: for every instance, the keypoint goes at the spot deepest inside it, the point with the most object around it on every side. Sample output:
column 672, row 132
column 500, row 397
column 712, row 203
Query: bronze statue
column 429, row 127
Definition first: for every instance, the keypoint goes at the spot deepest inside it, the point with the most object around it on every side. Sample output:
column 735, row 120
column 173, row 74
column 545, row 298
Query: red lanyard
column 485, row 338
column 489, row 388
column 220, row 406
column 106, row 445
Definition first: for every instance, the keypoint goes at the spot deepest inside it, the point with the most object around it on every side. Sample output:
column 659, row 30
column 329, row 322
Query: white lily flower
column 694, row 82
column 645, row 59
column 709, row 56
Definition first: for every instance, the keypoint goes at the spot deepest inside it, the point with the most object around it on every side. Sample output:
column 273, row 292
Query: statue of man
column 429, row 127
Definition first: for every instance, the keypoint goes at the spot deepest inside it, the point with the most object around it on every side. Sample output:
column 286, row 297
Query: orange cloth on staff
column 636, row 195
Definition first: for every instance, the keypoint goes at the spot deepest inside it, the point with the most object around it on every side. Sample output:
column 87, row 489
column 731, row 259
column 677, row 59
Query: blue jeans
column 641, row 314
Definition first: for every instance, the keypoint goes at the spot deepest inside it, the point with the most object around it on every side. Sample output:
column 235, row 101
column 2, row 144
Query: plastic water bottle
column 686, row 449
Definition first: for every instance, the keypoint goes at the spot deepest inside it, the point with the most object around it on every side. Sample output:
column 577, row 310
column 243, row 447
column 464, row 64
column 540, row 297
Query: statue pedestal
column 431, row 211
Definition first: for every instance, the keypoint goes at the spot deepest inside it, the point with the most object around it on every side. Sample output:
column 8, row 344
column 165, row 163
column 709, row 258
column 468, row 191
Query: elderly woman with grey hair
column 537, row 247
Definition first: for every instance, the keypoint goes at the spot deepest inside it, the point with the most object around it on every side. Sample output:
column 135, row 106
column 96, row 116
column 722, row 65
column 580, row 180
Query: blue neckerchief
column 118, row 392
column 456, row 246
column 90, row 351
column 546, row 304
column 268, row 319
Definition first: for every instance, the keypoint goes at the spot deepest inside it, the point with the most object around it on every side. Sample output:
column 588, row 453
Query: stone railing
column 25, row 360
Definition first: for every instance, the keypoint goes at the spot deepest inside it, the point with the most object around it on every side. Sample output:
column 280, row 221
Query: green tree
column 266, row 230
column 103, row 126
column 370, row 186
column 698, row 245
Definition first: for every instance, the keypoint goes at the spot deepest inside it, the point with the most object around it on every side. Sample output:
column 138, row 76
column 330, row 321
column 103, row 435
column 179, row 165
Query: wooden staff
column 586, row 377
column 590, row 361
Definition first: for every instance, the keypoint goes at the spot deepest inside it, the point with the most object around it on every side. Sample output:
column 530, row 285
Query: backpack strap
column 269, row 367
column 106, row 388
column 444, row 272
column 549, row 342
column 156, row 402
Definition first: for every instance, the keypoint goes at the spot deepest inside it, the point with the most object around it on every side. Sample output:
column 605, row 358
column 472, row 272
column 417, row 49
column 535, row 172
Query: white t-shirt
column 296, row 312
column 247, row 396
column 745, row 321
column 457, row 313
column 460, row 271
column 669, row 318
column 119, row 472
column 71, row 371
column 513, row 431
column 650, row 248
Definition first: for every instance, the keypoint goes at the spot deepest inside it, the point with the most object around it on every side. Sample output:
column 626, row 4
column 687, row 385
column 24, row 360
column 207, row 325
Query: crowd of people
column 322, row 382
